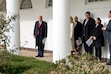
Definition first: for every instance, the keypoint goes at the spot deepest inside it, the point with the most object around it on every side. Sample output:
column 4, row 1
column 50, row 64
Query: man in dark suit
column 78, row 30
column 108, row 35
column 40, row 34
column 88, row 31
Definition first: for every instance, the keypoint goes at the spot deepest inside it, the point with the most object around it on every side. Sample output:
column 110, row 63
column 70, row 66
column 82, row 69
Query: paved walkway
column 29, row 53
column 47, row 57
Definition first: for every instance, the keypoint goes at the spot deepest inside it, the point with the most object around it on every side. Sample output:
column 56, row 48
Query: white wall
column 77, row 7
column 27, row 21
column 98, row 9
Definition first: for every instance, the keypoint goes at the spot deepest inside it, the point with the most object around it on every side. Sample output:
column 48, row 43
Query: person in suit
column 108, row 35
column 40, row 34
column 72, row 33
column 98, row 38
column 88, row 31
column 78, row 30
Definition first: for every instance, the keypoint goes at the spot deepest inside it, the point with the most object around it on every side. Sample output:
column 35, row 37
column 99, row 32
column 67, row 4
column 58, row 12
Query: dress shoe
column 41, row 56
column 108, row 63
column 37, row 56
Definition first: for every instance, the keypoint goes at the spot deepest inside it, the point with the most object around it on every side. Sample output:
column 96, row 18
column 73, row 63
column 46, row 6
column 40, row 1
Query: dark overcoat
column 98, row 33
column 43, row 33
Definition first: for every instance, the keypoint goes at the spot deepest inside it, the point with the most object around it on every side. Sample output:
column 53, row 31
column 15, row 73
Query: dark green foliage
column 13, row 64
column 6, row 26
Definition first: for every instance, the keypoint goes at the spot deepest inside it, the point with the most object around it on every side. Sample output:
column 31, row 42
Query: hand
column 44, row 40
column 79, row 38
column 94, row 38
column 34, row 36
column 70, row 38
column 103, row 28
column 91, row 37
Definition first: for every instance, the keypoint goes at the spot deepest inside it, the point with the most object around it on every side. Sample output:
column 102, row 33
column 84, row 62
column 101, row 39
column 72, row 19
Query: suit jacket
column 98, row 33
column 43, row 32
column 88, row 29
column 108, row 32
column 78, row 30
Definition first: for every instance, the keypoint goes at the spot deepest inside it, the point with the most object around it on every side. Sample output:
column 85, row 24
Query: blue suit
column 108, row 35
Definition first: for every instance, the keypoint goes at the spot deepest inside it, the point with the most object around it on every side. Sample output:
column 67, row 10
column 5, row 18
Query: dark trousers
column 40, row 51
column 109, row 42
column 110, row 54
column 40, row 46
column 98, row 52
column 88, row 49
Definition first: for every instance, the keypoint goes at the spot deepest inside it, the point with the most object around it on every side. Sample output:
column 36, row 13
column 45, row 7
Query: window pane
column 50, row 3
column 97, row 0
column 2, row 5
column 26, row 4
column 91, row 0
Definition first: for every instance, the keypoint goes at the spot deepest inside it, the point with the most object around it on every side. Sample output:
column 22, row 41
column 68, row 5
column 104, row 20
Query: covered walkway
column 33, row 53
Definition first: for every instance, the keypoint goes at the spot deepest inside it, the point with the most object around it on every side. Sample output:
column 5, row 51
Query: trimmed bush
column 78, row 64
column 81, row 64
column 13, row 64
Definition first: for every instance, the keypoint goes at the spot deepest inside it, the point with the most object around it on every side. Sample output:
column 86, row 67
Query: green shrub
column 78, row 64
column 13, row 64
column 81, row 64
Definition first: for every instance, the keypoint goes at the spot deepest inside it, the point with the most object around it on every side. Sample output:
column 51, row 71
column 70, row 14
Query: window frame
column 47, row 4
column 87, row 2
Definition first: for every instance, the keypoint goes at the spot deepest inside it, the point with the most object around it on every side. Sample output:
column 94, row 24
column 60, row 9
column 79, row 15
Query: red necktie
column 38, row 32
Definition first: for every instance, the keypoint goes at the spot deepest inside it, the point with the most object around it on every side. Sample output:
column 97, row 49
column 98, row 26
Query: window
column 50, row 2
column 26, row 4
column 2, row 5
column 96, row 0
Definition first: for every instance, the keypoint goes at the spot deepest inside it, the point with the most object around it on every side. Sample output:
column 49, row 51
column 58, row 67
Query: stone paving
column 29, row 53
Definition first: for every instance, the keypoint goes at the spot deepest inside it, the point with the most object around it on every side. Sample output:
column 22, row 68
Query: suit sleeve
column 100, row 32
column 92, row 26
column 81, row 30
column 34, row 33
column 109, row 27
column 45, row 34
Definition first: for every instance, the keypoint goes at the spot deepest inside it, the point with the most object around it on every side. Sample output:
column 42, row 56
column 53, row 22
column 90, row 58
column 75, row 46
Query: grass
column 13, row 64
column 78, row 64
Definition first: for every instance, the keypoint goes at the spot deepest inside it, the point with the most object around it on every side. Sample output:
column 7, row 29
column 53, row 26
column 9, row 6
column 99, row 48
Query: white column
column 61, row 27
column 13, row 8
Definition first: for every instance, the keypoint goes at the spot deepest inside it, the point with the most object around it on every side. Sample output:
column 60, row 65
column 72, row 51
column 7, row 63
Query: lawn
column 13, row 64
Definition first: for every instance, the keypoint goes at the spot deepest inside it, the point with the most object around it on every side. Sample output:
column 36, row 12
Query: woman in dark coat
column 98, row 38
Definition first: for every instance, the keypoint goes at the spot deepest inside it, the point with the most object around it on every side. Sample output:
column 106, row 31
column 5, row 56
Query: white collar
column 97, row 25
column 75, row 23
column 40, row 22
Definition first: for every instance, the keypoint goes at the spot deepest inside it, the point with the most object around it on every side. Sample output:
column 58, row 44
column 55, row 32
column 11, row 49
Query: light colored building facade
column 31, row 9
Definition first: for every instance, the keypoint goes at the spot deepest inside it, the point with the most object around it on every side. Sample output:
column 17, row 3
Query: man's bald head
column 40, row 18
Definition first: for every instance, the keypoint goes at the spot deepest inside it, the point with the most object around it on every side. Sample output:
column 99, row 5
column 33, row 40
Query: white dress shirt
column 86, row 21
